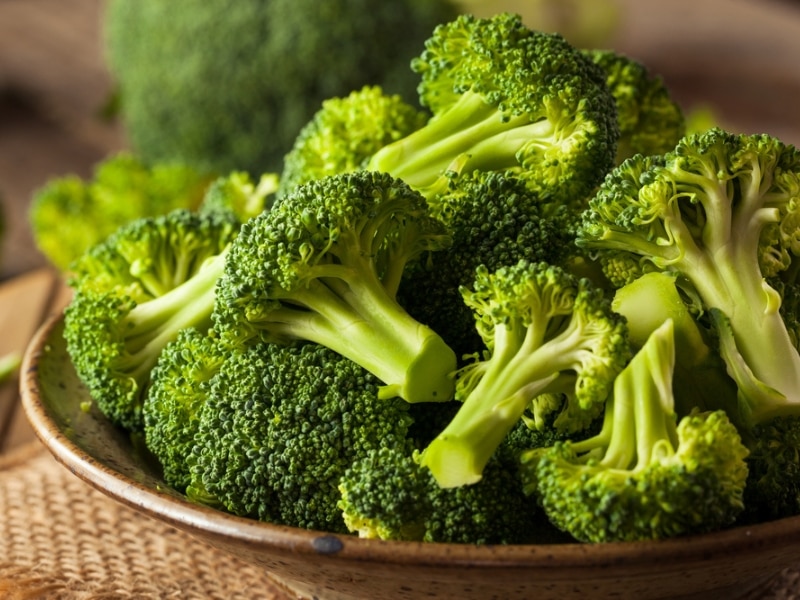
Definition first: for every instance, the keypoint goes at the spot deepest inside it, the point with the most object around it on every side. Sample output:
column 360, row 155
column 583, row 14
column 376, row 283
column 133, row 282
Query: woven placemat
column 60, row 539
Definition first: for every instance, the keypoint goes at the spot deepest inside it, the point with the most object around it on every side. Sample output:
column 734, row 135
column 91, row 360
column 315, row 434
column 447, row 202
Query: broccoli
column 388, row 495
column 344, row 134
column 177, row 390
column 720, row 210
column 650, row 120
column 226, row 87
column 69, row 214
column 507, row 98
column 239, row 195
column 646, row 475
column 279, row 427
column 547, row 333
column 324, row 265
column 132, row 294
column 494, row 220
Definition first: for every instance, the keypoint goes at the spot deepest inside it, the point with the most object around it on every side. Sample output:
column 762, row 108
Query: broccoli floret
column 240, row 196
column 345, row 132
column 645, row 475
column 324, row 265
column 546, row 333
column 720, row 210
column 177, row 391
column 507, row 98
column 388, row 495
column 228, row 87
column 280, row 426
column 132, row 294
column 650, row 120
column 69, row 214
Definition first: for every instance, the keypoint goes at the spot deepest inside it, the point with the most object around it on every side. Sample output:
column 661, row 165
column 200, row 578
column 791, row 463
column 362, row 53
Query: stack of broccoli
column 543, row 313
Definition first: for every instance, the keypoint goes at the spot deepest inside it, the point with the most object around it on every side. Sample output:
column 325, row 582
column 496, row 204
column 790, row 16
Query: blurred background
column 736, row 61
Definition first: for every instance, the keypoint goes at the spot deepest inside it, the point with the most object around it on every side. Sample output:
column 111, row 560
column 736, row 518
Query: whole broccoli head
column 280, row 426
column 132, row 294
column 547, row 333
column 69, row 214
column 227, row 87
column 644, row 475
column 507, row 98
column 324, row 265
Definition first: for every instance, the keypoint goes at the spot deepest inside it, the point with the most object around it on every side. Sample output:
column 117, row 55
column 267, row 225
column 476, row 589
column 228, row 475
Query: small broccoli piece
column 644, row 476
column 239, row 195
column 345, row 132
column 721, row 211
column 132, row 294
column 9, row 365
column 69, row 214
column 280, row 426
column 324, row 265
column 388, row 495
column 177, row 391
column 650, row 120
column 546, row 333
column 494, row 220
column 226, row 87
column 507, row 98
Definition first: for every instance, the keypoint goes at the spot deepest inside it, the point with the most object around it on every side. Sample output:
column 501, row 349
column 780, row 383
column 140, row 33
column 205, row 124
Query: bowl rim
column 207, row 522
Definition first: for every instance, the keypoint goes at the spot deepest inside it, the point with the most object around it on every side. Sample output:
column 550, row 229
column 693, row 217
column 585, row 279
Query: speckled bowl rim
column 213, row 524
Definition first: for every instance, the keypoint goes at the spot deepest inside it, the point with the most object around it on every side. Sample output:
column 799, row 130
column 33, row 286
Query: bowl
column 734, row 563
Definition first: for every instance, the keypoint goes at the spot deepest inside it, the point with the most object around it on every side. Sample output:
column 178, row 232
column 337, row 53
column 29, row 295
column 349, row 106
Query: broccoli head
column 280, row 426
column 225, row 87
column 508, row 98
column 547, row 334
column 324, row 265
column 132, row 294
column 239, row 195
column 645, row 475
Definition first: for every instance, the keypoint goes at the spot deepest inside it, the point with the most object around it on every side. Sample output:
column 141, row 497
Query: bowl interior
column 317, row 564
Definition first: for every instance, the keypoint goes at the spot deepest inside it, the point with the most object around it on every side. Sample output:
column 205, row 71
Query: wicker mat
column 62, row 540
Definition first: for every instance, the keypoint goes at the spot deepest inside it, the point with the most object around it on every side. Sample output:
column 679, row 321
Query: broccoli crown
column 225, row 87
column 345, row 132
column 133, row 293
column 69, row 215
column 175, row 395
column 644, row 476
column 650, row 121
column 324, row 265
column 507, row 98
column 494, row 220
column 546, row 333
column 720, row 210
column 240, row 196
column 388, row 495
column 280, row 426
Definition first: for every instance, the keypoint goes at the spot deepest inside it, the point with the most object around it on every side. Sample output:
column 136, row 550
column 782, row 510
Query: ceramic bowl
column 314, row 564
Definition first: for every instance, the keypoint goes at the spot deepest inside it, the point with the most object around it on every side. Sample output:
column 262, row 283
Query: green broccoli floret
column 388, row 495
column 324, row 265
column 494, row 220
column 280, row 426
column 69, row 214
column 132, row 294
column 546, row 333
column 645, row 475
column 650, row 119
column 345, row 132
column 507, row 98
column 721, row 210
column 239, row 195
column 228, row 87
column 177, row 391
